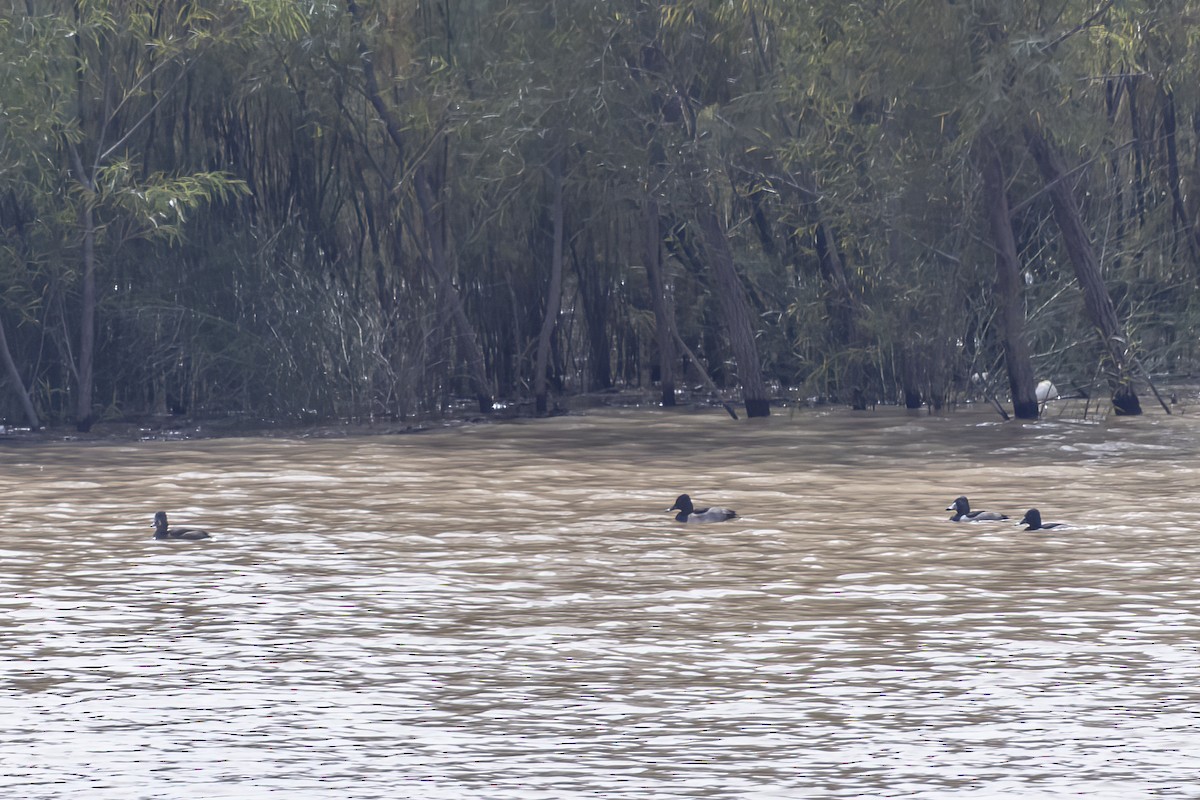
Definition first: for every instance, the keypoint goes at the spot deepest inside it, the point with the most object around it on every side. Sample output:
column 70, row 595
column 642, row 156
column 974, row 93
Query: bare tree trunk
column 14, row 375
column 553, row 293
column 735, row 310
column 1096, row 299
column 664, row 316
column 1021, row 380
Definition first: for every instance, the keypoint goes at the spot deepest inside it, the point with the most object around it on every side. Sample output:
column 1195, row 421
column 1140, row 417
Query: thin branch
column 1087, row 23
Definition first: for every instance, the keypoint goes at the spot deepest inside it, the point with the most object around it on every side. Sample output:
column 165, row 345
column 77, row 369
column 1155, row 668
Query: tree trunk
column 735, row 310
column 1096, row 299
column 14, row 375
column 553, row 293
column 910, row 377
column 664, row 316
column 1173, row 173
column 843, row 311
column 441, row 271
column 1008, row 284
column 84, row 417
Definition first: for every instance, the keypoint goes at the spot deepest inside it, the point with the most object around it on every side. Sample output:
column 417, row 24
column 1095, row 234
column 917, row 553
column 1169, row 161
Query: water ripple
column 507, row 612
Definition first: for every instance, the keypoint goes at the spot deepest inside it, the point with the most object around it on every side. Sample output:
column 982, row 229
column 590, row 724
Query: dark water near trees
column 506, row 612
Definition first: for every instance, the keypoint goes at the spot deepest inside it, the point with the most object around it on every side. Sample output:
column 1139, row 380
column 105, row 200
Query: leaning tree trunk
column 553, row 294
column 1096, row 299
column 735, row 310
column 14, row 376
column 664, row 317
column 1021, row 380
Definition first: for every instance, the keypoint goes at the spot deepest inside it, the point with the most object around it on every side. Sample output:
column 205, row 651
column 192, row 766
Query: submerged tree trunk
column 1096, row 299
column 735, row 310
column 1021, row 380
column 553, row 293
column 664, row 316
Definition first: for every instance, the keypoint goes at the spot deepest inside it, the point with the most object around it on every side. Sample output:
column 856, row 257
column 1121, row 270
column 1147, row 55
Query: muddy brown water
column 505, row 611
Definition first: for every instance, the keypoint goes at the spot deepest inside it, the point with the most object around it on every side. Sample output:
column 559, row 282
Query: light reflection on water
column 505, row 611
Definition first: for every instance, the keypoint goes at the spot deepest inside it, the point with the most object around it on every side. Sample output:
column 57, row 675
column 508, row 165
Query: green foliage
column 260, row 245
column 157, row 205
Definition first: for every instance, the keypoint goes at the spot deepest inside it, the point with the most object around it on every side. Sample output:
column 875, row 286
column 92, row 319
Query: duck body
column 163, row 531
column 689, row 513
column 963, row 513
column 1033, row 518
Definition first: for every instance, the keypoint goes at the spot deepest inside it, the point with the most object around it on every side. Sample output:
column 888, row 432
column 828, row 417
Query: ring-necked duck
column 963, row 513
column 1033, row 518
column 161, row 531
column 689, row 513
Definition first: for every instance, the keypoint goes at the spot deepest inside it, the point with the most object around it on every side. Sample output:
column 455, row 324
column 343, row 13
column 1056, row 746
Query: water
column 505, row 611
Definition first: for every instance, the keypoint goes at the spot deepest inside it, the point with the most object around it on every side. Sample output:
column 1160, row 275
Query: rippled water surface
column 505, row 611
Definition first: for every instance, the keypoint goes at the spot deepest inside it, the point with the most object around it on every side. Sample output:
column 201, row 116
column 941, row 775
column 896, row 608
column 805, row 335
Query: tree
column 554, row 291
column 1021, row 380
column 665, row 332
column 413, row 203
column 14, row 377
column 735, row 312
column 431, row 214
column 107, row 68
column 1087, row 270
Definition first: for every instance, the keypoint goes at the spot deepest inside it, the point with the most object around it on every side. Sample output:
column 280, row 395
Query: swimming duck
column 963, row 513
column 161, row 531
column 689, row 513
column 1033, row 518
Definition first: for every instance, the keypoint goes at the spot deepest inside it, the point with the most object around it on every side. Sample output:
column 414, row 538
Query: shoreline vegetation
column 306, row 212
column 1181, row 393
column 171, row 427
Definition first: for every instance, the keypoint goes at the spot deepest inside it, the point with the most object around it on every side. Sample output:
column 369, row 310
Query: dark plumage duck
column 162, row 531
column 1033, row 518
column 963, row 513
column 689, row 513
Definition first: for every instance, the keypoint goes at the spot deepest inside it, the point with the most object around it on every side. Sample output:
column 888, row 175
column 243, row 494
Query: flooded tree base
column 1126, row 403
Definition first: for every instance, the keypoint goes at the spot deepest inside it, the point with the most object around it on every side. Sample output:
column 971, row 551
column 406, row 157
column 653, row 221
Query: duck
column 1033, row 518
column 162, row 531
column 963, row 513
column 689, row 513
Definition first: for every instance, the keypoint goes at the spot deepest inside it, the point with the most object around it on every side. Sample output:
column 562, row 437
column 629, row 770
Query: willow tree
column 25, row 120
column 105, row 68
column 527, row 126
column 1121, row 364
column 1146, row 55
column 994, row 195
column 677, row 62
column 1033, row 65
column 427, row 191
column 784, row 171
